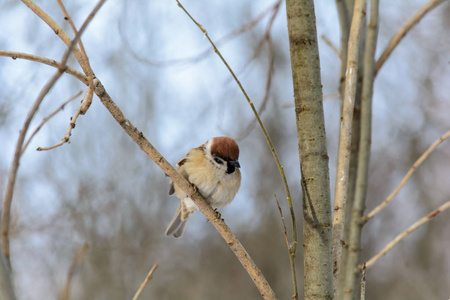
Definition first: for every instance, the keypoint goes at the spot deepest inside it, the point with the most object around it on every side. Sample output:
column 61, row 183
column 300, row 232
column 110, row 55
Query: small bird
column 214, row 169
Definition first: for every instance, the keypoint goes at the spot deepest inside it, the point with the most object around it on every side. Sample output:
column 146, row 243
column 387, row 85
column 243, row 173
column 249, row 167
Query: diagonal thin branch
column 234, row 244
column 396, row 39
column 418, row 162
column 407, row 232
column 331, row 45
column 146, row 280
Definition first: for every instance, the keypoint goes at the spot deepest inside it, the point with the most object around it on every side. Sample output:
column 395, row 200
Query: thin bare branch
column 146, row 280
column 405, row 233
column 396, row 39
column 345, row 136
column 234, row 244
column 45, row 120
column 331, row 45
column 291, row 255
column 72, row 123
column 47, row 61
column 76, row 261
column 424, row 156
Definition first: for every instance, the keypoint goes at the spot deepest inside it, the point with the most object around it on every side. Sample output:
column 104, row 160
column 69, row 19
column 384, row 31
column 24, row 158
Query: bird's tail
column 176, row 227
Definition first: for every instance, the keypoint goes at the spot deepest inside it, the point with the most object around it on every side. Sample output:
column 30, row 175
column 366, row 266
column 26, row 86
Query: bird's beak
column 235, row 163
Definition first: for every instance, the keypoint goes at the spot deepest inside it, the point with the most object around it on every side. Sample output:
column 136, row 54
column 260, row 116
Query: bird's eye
column 218, row 160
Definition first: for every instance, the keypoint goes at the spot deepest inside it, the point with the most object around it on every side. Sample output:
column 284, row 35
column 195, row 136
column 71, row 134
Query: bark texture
column 312, row 149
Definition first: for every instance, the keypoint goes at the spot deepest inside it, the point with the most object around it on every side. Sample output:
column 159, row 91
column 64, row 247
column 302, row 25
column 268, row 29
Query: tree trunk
column 312, row 149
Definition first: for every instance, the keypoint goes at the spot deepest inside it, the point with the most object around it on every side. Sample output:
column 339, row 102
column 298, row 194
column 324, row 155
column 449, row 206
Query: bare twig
column 405, row 233
column 146, row 280
column 331, row 45
column 66, row 138
column 406, row 178
column 234, row 244
column 345, row 136
column 61, row 107
column 47, row 61
column 76, row 261
column 291, row 255
column 396, row 39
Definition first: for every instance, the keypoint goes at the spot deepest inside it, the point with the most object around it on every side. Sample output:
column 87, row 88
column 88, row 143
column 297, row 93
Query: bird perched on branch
column 214, row 169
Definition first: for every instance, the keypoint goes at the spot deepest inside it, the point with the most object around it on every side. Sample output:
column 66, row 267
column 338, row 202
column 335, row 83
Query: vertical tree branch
column 311, row 136
column 345, row 136
column 349, row 289
column 344, row 23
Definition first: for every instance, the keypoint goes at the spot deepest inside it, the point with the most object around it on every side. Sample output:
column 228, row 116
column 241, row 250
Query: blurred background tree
column 101, row 189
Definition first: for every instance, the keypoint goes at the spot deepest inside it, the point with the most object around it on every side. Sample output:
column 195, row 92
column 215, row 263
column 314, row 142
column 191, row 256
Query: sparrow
column 213, row 168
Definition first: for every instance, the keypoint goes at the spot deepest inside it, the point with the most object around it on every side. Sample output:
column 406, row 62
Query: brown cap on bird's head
column 225, row 147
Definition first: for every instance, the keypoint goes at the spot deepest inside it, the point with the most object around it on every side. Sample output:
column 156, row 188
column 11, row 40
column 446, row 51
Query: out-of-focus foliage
column 101, row 189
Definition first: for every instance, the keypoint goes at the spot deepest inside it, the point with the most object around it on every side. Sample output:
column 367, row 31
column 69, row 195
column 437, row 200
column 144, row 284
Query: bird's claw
column 218, row 214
